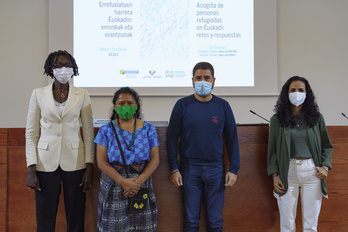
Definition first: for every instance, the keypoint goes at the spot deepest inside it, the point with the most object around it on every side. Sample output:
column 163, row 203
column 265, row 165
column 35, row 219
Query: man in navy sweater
column 198, row 122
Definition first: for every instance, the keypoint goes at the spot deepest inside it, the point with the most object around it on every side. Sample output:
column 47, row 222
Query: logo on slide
column 129, row 72
column 152, row 72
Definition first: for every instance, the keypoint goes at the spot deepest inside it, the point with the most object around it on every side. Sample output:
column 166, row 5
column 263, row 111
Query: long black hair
column 53, row 57
column 135, row 95
column 283, row 108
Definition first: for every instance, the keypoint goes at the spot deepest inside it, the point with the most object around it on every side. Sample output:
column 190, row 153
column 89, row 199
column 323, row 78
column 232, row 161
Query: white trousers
column 301, row 179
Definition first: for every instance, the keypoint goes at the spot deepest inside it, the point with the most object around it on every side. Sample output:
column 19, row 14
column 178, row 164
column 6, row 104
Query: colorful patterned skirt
column 113, row 211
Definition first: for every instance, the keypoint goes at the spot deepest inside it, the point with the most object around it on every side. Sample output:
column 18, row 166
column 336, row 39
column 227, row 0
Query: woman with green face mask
column 139, row 143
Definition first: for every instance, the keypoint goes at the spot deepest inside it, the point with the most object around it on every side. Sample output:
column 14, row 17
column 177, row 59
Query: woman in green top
column 299, row 154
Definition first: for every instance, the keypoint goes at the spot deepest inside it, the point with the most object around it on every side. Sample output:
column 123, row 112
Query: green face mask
column 126, row 112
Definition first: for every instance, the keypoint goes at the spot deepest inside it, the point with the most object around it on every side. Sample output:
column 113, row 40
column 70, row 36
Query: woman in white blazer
column 55, row 150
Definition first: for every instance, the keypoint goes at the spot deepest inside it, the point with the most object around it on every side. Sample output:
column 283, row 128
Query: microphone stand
column 259, row 116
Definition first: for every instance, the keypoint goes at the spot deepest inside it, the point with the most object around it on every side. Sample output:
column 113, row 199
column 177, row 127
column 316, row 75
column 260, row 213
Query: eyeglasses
column 60, row 65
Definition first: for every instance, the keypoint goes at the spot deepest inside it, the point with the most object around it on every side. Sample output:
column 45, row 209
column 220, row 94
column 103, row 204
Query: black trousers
column 47, row 200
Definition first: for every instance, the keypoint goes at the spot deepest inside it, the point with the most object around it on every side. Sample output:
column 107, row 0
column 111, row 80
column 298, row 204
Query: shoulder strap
column 119, row 145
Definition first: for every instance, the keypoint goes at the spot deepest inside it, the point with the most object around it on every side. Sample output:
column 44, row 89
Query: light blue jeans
column 207, row 182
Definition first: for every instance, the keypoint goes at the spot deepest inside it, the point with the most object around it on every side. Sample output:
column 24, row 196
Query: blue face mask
column 203, row 88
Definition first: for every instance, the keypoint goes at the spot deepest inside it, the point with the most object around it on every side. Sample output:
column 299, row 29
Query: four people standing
column 299, row 154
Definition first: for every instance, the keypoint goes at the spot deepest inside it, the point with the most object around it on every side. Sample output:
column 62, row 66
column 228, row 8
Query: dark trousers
column 47, row 200
column 206, row 182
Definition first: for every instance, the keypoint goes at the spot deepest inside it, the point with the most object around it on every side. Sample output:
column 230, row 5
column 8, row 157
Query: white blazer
column 53, row 140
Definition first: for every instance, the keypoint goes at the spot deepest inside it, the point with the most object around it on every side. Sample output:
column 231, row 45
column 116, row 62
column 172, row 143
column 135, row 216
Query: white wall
column 312, row 42
column 23, row 49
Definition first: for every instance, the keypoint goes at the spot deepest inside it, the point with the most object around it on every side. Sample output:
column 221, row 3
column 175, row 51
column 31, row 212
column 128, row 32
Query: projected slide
column 156, row 43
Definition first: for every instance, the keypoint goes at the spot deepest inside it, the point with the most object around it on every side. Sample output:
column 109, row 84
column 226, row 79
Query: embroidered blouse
column 145, row 138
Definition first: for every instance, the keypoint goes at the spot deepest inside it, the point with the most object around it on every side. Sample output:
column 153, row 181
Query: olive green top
column 279, row 145
column 299, row 139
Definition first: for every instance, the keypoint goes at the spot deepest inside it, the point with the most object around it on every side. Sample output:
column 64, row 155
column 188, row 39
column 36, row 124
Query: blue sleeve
column 231, row 137
column 152, row 135
column 173, row 135
column 101, row 137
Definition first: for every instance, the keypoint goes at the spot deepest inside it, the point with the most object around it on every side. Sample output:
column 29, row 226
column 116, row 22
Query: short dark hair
column 135, row 96
column 203, row 65
column 283, row 108
column 53, row 57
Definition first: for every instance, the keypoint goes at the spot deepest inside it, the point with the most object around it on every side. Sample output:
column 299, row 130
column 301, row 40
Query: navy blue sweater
column 199, row 128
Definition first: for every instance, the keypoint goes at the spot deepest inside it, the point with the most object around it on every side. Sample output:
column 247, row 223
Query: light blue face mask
column 203, row 88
